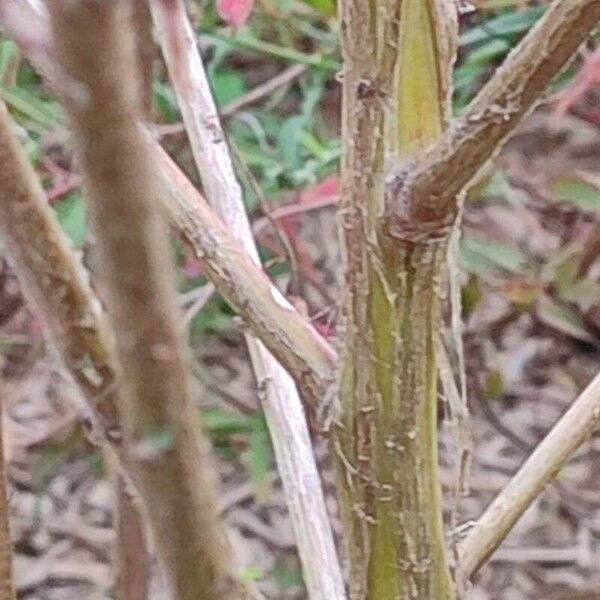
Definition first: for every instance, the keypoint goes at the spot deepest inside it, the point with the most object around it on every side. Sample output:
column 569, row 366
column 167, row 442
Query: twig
column 170, row 465
column 133, row 555
column 280, row 400
column 540, row 468
column 264, row 89
column 287, row 334
column 254, row 95
column 569, row 554
column 427, row 191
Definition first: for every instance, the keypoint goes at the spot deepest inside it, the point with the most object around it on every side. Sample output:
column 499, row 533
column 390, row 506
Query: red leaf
column 317, row 196
column 192, row 265
column 588, row 76
column 235, row 12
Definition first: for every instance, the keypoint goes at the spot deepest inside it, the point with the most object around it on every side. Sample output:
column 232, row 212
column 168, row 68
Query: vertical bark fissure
column 386, row 435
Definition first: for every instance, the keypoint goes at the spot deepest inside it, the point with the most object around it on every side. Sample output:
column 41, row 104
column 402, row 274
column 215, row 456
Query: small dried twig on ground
column 541, row 467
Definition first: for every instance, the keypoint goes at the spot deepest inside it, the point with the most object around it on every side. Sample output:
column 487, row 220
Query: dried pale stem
column 7, row 589
column 427, row 190
column 169, row 463
column 287, row 334
column 571, row 430
column 278, row 394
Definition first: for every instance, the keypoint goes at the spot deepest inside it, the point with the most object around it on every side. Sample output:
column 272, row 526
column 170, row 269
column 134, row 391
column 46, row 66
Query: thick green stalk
column 398, row 60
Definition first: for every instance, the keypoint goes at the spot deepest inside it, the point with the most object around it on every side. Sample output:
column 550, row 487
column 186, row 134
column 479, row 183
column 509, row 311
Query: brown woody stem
column 279, row 395
column 287, row 334
column 56, row 286
column 54, row 281
column 170, row 465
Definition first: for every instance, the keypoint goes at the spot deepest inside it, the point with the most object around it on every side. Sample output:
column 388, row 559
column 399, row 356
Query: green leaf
column 72, row 215
column 41, row 112
column 154, row 444
column 288, row 575
column 471, row 295
column 220, row 423
column 494, row 387
column 289, row 140
column 327, row 7
column 508, row 24
column 251, row 573
column 8, row 53
column 565, row 275
column 166, row 102
column 577, row 192
column 507, row 256
column 212, row 318
column 260, row 456
column 488, row 52
column 584, row 293
column 228, row 86
column 562, row 318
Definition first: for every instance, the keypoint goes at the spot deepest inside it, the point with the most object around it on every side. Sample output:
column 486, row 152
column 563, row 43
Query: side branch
column 541, row 467
column 287, row 334
column 425, row 192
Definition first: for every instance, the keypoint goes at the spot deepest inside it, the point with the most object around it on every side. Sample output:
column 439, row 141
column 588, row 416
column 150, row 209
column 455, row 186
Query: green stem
column 385, row 436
